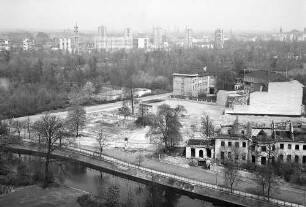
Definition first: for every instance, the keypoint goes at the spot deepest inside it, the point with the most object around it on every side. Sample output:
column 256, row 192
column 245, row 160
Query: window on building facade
column 263, row 160
column 243, row 144
column 229, row 144
column 222, row 155
column 222, row 143
column 236, row 144
column 281, row 146
column 192, row 152
column 281, row 158
column 297, row 147
column 229, row 155
column 289, row 158
column 304, row 147
column 296, row 159
column 243, row 157
column 263, row 148
column 289, row 146
column 304, row 159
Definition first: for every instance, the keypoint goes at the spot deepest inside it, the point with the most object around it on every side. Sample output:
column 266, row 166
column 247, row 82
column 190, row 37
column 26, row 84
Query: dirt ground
column 117, row 129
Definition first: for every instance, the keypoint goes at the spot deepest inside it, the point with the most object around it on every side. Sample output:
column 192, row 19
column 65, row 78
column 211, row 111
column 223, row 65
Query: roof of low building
column 201, row 142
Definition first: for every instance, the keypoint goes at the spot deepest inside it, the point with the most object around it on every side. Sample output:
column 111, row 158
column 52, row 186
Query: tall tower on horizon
column 76, row 38
column 219, row 39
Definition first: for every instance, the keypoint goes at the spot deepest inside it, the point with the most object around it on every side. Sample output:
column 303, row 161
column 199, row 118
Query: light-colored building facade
column 282, row 98
column 110, row 43
column 278, row 142
column 231, row 147
column 141, row 43
column 4, row 45
column 65, row 44
column 219, row 39
column 158, row 34
column 28, row 44
column 193, row 85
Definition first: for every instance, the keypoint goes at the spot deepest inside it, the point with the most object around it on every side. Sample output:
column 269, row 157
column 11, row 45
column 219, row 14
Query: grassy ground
column 35, row 196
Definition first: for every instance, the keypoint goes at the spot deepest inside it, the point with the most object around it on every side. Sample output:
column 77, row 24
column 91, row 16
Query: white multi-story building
column 193, row 85
column 4, row 45
column 141, row 43
column 65, row 44
column 28, row 44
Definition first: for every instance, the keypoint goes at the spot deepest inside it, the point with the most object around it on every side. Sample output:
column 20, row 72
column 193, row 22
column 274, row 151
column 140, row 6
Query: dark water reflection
column 98, row 183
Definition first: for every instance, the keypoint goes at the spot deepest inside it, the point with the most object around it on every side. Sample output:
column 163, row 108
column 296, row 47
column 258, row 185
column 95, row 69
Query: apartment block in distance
column 193, row 85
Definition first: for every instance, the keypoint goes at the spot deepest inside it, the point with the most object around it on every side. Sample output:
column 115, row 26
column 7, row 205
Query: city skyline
column 143, row 15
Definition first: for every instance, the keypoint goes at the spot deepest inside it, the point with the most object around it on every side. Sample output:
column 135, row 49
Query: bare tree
column 51, row 130
column 17, row 126
column 102, row 141
column 76, row 118
column 207, row 127
column 266, row 178
column 139, row 158
column 28, row 126
column 231, row 173
column 125, row 111
column 166, row 125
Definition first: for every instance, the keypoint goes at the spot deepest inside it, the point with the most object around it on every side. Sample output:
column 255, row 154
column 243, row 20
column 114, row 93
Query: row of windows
column 229, row 156
column 297, row 147
column 296, row 158
column 230, row 144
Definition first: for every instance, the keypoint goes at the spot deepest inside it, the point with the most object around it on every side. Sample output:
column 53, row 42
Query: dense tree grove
column 43, row 81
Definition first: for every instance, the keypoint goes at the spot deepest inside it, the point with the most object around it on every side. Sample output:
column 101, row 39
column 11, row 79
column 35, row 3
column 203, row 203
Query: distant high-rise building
column 304, row 29
column 189, row 37
column 127, row 33
column 281, row 30
column 128, row 39
column 158, row 37
column 76, row 39
column 102, row 32
column 101, row 40
column 219, row 38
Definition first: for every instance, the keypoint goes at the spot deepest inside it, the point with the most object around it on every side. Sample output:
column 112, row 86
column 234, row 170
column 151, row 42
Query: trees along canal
column 166, row 125
column 53, row 135
column 76, row 119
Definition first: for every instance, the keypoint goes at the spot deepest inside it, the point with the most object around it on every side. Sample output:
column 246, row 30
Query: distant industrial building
column 193, row 85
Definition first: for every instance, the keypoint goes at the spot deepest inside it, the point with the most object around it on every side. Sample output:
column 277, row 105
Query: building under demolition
column 281, row 99
column 283, row 142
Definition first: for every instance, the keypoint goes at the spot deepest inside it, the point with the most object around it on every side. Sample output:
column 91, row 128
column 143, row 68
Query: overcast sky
column 142, row 15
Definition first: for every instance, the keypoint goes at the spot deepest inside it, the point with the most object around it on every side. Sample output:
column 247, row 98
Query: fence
column 96, row 155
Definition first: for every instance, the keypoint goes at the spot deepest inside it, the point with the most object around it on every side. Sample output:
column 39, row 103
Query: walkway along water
column 141, row 174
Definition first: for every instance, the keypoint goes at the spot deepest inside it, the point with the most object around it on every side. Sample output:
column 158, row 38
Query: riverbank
column 137, row 174
column 31, row 196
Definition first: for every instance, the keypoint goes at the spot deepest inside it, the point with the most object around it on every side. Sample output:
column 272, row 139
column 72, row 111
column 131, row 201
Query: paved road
column 97, row 108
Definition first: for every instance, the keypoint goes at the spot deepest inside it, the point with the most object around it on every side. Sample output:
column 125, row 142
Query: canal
column 98, row 183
